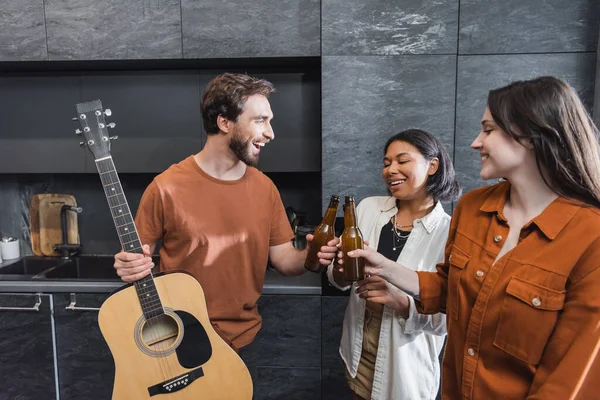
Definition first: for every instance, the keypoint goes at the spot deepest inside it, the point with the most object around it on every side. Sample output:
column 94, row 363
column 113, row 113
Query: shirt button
column 471, row 352
column 479, row 273
column 536, row 302
column 497, row 238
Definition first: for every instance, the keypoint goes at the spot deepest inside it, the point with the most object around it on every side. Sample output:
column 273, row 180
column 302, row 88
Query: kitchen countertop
column 306, row 284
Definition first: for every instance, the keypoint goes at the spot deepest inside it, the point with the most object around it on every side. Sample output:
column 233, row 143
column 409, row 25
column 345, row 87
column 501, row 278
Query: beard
column 241, row 149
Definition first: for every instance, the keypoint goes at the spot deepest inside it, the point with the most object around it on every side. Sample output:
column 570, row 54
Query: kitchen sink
column 30, row 265
column 85, row 267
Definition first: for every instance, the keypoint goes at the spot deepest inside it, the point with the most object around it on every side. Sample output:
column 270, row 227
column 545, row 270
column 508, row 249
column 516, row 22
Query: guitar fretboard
column 128, row 235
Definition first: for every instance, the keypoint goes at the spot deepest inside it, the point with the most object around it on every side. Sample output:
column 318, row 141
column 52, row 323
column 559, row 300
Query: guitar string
column 164, row 366
column 109, row 181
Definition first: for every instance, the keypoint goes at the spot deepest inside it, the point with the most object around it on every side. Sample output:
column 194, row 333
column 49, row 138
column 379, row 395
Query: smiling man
column 220, row 218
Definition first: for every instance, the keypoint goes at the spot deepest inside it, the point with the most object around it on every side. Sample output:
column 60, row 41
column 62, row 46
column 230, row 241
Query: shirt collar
column 550, row 222
column 430, row 221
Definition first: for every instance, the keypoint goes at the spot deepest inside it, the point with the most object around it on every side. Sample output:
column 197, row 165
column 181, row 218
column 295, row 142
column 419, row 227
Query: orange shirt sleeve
column 570, row 366
column 281, row 230
column 433, row 286
column 149, row 219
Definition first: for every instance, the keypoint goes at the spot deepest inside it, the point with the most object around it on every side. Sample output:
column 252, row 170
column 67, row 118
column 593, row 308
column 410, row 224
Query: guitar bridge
column 177, row 383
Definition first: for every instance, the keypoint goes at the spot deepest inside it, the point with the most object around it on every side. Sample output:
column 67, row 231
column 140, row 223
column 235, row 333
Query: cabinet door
column 85, row 364
column 285, row 358
column 26, row 347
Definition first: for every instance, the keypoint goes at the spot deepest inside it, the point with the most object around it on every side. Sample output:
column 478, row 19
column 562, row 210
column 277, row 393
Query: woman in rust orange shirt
column 520, row 284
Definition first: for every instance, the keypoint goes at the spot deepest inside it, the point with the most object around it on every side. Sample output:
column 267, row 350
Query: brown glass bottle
column 322, row 234
column 352, row 239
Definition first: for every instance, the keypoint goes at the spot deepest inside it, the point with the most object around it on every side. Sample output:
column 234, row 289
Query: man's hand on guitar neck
column 132, row 266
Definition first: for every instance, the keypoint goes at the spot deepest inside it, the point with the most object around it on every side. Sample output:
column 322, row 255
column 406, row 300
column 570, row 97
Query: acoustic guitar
column 157, row 329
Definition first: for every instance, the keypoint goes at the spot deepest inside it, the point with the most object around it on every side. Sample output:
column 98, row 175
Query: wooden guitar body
column 175, row 356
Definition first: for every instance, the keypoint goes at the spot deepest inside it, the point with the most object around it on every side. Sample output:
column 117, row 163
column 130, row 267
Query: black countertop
column 95, row 274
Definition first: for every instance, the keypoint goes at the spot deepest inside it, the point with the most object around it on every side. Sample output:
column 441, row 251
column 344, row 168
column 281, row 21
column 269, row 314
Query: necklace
column 398, row 233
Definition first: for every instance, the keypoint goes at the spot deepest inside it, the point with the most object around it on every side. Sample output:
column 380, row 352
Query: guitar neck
column 128, row 234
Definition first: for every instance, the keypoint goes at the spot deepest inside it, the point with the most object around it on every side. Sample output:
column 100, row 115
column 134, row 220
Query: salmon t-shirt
column 220, row 232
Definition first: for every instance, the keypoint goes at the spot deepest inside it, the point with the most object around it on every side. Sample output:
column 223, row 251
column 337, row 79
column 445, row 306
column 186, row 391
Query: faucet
column 65, row 248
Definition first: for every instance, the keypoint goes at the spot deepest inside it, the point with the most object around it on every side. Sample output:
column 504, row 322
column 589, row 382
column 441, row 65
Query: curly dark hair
column 443, row 185
column 226, row 94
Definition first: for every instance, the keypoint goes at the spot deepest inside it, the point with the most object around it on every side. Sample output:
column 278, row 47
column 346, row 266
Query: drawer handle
column 35, row 307
column 72, row 306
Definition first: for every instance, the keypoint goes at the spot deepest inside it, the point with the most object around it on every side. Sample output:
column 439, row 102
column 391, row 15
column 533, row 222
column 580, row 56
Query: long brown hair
column 547, row 112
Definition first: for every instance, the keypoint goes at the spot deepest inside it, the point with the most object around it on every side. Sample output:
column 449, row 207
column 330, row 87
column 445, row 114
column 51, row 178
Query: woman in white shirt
column 390, row 350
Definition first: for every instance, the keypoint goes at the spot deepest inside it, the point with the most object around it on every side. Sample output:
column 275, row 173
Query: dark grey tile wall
column 533, row 26
column 169, row 29
column 478, row 74
column 91, row 30
column 257, row 28
column 22, row 32
column 355, row 27
column 366, row 100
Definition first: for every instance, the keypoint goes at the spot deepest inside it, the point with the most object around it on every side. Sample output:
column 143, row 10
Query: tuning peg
column 82, row 144
column 75, row 119
column 78, row 132
column 112, row 125
column 107, row 112
column 114, row 137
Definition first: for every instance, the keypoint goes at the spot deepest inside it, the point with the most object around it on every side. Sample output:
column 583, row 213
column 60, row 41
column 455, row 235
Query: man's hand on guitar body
column 132, row 266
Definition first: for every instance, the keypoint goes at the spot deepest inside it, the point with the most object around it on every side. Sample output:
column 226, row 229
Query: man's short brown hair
column 226, row 95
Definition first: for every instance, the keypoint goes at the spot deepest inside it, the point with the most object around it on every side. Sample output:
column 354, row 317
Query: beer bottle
column 322, row 234
column 354, row 268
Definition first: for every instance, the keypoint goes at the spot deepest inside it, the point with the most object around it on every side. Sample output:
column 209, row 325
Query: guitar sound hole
column 160, row 335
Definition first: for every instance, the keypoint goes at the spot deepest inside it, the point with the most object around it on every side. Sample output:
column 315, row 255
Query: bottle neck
column 330, row 213
column 349, row 215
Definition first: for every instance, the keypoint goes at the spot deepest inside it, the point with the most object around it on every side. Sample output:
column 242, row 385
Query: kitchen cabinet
column 285, row 357
column 85, row 364
column 26, row 347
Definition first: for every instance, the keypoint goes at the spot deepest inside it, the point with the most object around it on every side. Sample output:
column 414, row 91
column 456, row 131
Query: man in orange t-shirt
column 220, row 218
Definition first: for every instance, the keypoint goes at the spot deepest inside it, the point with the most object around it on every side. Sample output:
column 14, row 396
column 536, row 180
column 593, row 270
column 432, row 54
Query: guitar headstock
column 94, row 128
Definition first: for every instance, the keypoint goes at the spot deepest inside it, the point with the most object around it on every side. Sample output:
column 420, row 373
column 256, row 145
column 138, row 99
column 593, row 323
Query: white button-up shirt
column 407, row 365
